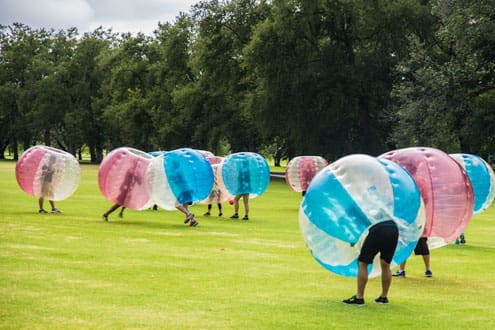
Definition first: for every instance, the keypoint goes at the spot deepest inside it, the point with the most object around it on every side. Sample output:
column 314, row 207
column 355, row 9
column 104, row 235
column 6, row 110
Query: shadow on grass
column 146, row 224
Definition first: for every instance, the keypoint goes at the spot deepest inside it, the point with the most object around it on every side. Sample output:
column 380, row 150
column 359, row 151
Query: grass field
column 149, row 270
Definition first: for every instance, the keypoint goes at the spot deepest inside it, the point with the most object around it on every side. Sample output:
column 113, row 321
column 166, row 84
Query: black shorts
column 421, row 248
column 185, row 197
column 383, row 238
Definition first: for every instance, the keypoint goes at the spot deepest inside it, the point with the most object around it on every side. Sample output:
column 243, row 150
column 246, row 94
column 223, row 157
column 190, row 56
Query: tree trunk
column 47, row 137
column 15, row 146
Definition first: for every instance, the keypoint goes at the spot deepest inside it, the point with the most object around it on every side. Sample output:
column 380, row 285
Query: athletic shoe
column 381, row 300
column 121, row 215
column 428, row 273
column 353, row 301
column 235, row 216
column 463, row 239
column 189, row 218
column 42, row 211
column 207, row 214
column 56, row 211
column 399, row 273
column 105, row 217
column 220, row 214
column 193, row 223
column 245, row 218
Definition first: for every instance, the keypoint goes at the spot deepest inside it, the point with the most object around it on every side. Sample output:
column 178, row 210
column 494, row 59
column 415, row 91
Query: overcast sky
column 120, row 15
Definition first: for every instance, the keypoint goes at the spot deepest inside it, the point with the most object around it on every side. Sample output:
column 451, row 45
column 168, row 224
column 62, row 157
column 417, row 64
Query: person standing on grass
column 47, row 185
column 382, row 238
column 245, row 200
column 244, row 181
column 422, row 250
column 216, row 193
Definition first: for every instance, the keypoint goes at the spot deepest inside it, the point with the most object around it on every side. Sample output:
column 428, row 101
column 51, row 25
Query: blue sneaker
column 428, row 273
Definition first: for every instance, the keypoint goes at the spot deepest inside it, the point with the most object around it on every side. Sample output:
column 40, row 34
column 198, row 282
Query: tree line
column 283, row 78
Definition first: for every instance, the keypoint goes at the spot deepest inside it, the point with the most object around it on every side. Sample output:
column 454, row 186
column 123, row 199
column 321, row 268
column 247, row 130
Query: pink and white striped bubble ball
column 121, row 178
column 445, row 188
column 48, row 172
column 301, row 170
column 219, row 193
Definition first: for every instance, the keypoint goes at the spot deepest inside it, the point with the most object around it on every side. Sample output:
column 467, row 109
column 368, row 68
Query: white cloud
column 86, row 15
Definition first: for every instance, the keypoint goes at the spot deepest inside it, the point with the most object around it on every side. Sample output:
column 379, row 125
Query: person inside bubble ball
column 422, row 250
column 244, row 182
column 124, row 190
column 215, row 196
column 47, row 186
column 383, row 238
column 113, row 208
column 245, row 200
column 184, row 200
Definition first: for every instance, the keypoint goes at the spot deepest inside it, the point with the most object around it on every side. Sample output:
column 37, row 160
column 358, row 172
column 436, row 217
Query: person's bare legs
column 245, row 199
column 121, row 213
column 183, row 209
column 386, row 277
column 52, row 204
column 40, row 202
column 236, row 203
column 362, row 279
column 110, row 210
column 426, row 259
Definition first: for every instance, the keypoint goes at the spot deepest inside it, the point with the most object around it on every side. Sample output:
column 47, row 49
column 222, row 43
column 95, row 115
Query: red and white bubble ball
column 121, row 178
column 219, row 193
column 301, row 170
column 48, row 172
column 445, row 188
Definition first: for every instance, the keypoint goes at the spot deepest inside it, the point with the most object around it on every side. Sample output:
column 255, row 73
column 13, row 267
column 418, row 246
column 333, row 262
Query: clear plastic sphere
column 219, row 192
column 301, row 170
column 181, row 176
column 349, row 196
column 121, row 178
column 48, row 172
column 246, row 173
column 482, row 179
column 445, row 189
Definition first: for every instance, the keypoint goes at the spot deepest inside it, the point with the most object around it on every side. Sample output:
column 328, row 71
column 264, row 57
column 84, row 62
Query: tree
column 124, row 93
column 223, row 30
column 19, row 75
column 322, row 72
column 447, row 84
column 87, row 74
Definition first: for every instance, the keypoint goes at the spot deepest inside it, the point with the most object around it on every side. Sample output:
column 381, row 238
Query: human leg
column 362, row 279
column 40, row 204
column 121, row 213
column 401, row 272
column 236, row 207
column 207, row 214
column 386, row 278
column 426, row 260
column 245, row 199
column 110, row 210
column 54, row 209
column 189, row 215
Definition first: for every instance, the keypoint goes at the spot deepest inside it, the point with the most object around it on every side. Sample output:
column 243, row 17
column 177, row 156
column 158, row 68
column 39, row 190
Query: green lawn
column 149, row 270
